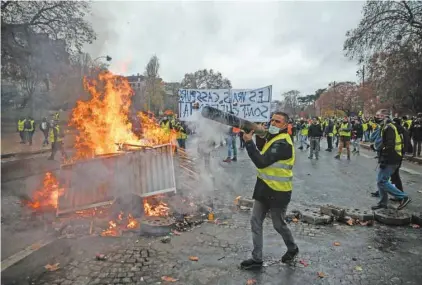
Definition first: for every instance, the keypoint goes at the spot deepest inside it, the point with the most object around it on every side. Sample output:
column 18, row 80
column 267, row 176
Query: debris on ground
column 169, row 279
column 52, row 267
column 321, row 274
column 303, row 262
column 251, row 282
column 193, row 258
column 358, row 268
column 100, row 256
column 336, row 243
column 166, row 239
column 415, row 226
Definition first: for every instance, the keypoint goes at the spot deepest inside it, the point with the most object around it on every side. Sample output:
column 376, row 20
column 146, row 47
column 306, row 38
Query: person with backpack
column 44, row 127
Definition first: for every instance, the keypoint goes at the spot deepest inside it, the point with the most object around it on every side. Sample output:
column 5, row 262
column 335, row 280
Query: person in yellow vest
column 406, row 122
column 21, row 129
column 345, row 134
column 365, row 130
column 389, row 160
column 303, row 134
column 181, row 135
column 56, row 116
column 329, row 133
column 56, row 140
column 273, row 188
column 29, row 128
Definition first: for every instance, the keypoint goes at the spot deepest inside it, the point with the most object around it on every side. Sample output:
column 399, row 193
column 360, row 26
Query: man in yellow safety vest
column 273, row 188
column 56, row 140
column 345, row 133
column 389, row 161
column 21, row 128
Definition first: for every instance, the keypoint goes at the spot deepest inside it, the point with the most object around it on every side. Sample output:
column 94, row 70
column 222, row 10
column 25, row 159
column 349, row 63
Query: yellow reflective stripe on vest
column 279, row 175
column 275, row 178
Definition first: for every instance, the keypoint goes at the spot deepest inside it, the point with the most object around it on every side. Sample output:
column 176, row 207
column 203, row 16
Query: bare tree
column 205, row 79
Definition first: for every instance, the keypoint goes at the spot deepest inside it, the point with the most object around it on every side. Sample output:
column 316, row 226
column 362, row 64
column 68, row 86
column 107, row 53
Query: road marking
column 25, row 252
column 405, row 169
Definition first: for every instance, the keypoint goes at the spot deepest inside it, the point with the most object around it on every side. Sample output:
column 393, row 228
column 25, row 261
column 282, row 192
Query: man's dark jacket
column 315, row 131
column 279, row 150
column 389, row 156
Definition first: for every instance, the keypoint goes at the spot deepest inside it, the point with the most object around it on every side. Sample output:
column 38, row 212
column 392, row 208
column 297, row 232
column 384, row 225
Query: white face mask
column 273, row 130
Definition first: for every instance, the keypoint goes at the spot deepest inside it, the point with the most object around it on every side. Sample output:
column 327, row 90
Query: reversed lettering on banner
column 250, row 104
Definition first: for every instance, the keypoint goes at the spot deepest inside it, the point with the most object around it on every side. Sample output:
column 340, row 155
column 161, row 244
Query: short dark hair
column 286, row 117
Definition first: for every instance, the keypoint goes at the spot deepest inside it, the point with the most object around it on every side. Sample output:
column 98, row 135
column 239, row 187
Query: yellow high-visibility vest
column 345, row 133
column 21, row 125
column 399, row 143
column 304, row 131
column 51, row 134
column 279, row 175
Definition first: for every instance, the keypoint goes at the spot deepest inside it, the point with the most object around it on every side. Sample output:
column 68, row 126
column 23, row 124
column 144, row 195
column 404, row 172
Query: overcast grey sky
column 290, row 45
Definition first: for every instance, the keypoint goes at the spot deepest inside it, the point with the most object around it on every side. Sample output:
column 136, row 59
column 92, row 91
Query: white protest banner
column 217, row 98
column 253, row 105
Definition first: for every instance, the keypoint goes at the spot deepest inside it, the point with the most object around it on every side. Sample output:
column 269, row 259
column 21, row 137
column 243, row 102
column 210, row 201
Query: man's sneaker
column 348, row 157
column 234, row 158
column 316, row 157
column 307, row 147
column 394, row 199
column 228, row 159
column 289, row 255
column 375, row 194
column 337, row 156
column 250, row 264
column 378, row 206
column 310, row 157
column 404, row 203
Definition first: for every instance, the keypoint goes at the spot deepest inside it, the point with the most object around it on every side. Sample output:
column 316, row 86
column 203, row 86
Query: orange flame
column 159, row 210
column 115, row 228
column 48, row 195
column 103, row 121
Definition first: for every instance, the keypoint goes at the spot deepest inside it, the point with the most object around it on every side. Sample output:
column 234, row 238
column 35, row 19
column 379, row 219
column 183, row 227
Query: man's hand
column 248, row 136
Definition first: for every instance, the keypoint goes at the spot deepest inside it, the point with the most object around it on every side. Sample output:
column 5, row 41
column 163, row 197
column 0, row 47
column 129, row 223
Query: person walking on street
column 44, row 127
column 345, row 132
column 21, row 129
column 56, row 139
column 390, row 157
column 231, row 144
column 28, row 129
column 315, row 133
column 357, row 131
column 273, row 188
column 329, row 132
column 303, row 134
column 416, row 135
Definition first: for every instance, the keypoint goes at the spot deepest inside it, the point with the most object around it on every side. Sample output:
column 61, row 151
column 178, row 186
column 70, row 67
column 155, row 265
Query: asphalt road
column 377, row 255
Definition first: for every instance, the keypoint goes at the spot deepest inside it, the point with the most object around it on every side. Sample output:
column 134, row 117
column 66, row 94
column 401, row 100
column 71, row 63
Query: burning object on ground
column 46, row 197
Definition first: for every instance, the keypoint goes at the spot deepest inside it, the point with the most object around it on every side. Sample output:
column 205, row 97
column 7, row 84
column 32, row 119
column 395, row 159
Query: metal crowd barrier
column 98, row 181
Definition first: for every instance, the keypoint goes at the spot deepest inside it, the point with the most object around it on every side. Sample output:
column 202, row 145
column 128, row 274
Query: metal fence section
column 99, row 181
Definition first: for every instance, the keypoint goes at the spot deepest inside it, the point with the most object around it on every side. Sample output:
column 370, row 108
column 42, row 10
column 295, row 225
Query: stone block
column 361, row 215
column 332, row 210
column 313, row 216
column 417, row 218
column 245, row 202
column 392, row 217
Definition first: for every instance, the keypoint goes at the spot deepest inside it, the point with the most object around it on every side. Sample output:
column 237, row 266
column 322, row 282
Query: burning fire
column 123, row 223
column 48, row 195
column 103, row 121
column 157, row 210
